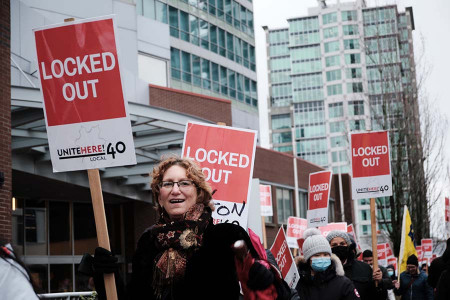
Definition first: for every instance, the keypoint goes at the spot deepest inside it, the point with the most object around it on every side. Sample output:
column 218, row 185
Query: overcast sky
column 432, row 22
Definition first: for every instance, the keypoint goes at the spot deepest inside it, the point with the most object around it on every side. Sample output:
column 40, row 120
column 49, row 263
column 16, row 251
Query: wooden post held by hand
column 101, row 226
column 373, row 222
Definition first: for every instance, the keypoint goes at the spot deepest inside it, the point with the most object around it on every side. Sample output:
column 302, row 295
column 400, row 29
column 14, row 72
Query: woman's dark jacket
column 419, row 289
column 210, row 272
column 330, row 284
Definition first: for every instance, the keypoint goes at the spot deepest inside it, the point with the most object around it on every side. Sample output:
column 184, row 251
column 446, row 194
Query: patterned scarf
column 176, row 242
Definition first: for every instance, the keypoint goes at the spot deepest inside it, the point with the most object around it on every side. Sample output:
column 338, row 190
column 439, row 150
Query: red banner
column 295, row 229
column 283, row 257
column 382, row 257
column 427, row 248
column 318, row 195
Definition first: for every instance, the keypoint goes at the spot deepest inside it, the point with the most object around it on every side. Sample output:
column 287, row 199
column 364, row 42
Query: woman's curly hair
column 193, row 172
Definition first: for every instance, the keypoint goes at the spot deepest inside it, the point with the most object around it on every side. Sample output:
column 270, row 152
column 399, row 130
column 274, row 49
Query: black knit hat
column 367, row 253
column 412, row 260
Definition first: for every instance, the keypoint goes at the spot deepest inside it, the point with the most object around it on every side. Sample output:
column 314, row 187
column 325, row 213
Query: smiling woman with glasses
column 184, row 255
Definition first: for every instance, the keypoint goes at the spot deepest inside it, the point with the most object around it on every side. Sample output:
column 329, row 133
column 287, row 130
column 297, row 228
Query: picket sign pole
column 373, row 220
column 295, row 252
column 263, row 223
column 100, row 225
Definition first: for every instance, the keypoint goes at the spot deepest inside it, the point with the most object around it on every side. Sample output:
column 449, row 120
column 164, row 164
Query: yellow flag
column 407, row 247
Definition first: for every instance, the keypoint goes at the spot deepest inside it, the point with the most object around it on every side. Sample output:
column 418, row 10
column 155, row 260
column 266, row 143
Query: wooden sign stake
column 263, row 223
column 373, row 221
column 101, row 226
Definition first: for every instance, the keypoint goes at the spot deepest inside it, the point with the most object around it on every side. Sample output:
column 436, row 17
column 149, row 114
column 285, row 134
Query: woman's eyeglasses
column 182, row 185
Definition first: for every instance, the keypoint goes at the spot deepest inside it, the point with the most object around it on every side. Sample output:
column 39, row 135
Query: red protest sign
column 300, row 243
column 295, row 229
column 265, row 197
column 427, row 248
column 447, row 214
column 340, row 226
column 80, row 76
column 382, row 257
column 392, row 261
column 371, row 166
column 283, row 257
column 226, row 155
column 84, row 106
column 389, row 251
column 318, row 195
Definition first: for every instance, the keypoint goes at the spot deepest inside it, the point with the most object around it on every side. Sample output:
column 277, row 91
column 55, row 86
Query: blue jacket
column 419, row 290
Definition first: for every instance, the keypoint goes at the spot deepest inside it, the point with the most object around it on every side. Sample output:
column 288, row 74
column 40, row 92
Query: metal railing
column 65, row 296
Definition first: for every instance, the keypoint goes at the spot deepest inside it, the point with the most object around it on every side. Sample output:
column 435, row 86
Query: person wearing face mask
column 413, row 283
column 391, row 273
column 361, row 274
column 321, row 273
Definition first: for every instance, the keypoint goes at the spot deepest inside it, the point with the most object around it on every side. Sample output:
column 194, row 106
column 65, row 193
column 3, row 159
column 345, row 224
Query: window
column 337, row 156
column 148, row 8
column 283, row 149
column 335, row 110
column 353, row 73
column 196, row 70
column 356, row 108
column 351, row 44
column 357, row 125
column 337, row 126
column 350, row 29
column 333, row 75
column 331, row 46
column 338, row 141
column 282, row 137
column 349, row 15
column 281, row 121
column 173, row 21
column 230, row 46
column 186, row 66
column 335, row 89
column 184, row 26
column 330, row 32
column 354, row 87
column 331, row 61
column 161, row 12
column 284, row 205
column 354, row 58
column 329, row 18
column 204, row 34
column 193, row 25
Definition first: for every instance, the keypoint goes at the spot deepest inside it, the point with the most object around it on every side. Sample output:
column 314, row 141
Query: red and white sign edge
column 241, row 219
column 319, row 213
column 267, row 210
column 373, row 181
column 90, row 133
column 292, row 276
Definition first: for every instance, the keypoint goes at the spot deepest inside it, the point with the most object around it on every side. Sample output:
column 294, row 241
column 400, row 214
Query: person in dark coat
column 361, row 274
column 438, row 265
column 443, row 286
column 386, row 282
column 184, row 255
column 321, row 274
column 413, row 283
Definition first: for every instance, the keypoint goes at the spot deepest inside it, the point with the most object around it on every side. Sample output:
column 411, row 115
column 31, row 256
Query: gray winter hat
column 314, row 243
column 336, row 233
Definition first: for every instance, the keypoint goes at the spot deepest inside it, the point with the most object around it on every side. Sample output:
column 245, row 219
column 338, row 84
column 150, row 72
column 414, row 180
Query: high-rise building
column 212, row 51
column 332, row 72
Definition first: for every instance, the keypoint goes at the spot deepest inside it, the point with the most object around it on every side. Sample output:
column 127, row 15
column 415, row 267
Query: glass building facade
column 212, row 47
column 330, row 74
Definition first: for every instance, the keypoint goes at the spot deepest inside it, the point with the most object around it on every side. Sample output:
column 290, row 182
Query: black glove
column 104, row 261
column 259, row 277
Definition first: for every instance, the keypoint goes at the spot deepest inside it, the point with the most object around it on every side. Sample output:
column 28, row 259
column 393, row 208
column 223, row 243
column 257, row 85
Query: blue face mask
column 320, row 264
column 390, row 273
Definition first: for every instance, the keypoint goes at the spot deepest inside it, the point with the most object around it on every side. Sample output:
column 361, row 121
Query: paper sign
column 382, row 257
column 389, row 251
column 295, row 229
column 283, row 256
column 427, row 248
column 341, row 226
column 318, row 195
column 265, row 193
column 371, row 165
column 392, row 261
column 226, row 155
column 85, row 112
column 419, row 252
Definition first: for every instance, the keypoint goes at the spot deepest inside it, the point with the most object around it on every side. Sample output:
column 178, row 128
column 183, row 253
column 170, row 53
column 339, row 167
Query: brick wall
column 5, row 119
column 206, row 107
